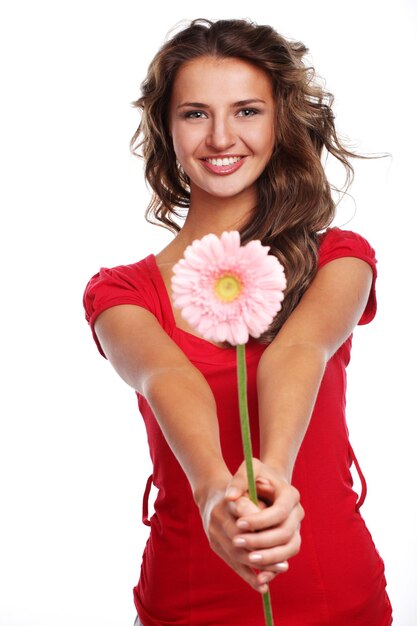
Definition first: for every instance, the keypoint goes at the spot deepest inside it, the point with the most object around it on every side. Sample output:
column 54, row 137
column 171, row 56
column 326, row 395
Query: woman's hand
column 270, row 534
column 247, row 536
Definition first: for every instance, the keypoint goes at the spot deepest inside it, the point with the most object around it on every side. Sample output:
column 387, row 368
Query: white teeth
column 226, row 161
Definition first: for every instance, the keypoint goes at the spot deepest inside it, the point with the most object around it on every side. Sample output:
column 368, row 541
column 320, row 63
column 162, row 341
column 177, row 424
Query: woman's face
column 222, row 125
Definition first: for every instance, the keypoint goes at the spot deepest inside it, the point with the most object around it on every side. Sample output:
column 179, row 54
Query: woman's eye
column 194, row 115
column 247, row 112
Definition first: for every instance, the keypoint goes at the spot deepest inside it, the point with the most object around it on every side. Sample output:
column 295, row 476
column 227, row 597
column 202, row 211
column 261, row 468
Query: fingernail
column 232, row 492
column 263, row 579
column 239, row 541
column 242, row 524
column 255, row 557
column 281, row 567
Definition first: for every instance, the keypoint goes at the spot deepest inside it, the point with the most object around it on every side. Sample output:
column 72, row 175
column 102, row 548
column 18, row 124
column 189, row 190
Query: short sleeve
column 125, row 284
column 336, row 244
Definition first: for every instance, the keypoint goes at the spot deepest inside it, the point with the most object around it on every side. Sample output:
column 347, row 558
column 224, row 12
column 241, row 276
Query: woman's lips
column 223, row 165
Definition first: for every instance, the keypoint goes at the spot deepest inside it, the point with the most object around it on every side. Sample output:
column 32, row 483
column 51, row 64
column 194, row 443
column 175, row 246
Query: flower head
column 227, row 291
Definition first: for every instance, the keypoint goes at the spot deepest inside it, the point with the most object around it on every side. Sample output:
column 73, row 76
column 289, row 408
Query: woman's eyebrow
column 243, row 103
column 199, row 105
column 240, row 103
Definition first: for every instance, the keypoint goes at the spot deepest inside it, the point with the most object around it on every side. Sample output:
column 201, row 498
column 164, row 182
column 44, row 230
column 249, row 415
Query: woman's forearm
column 185, row 409
column 288, row 381
column 291, row 368
column 148, row 360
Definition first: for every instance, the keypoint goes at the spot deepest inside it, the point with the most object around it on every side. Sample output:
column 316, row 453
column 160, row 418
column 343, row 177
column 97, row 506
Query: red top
column 337, row 579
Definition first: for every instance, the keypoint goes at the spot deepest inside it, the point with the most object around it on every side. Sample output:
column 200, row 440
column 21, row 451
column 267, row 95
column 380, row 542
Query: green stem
column 247, row 450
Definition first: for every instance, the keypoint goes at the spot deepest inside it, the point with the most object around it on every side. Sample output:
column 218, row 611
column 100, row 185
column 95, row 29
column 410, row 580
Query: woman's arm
column 184, row 406
column 289, row 376
column 291, row 368
column 180, row 397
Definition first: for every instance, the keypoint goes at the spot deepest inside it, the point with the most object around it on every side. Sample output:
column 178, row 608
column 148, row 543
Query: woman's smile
column 223, row 165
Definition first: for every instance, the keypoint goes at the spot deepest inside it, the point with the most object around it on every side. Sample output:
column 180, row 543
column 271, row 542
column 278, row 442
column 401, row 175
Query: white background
column 73, row 455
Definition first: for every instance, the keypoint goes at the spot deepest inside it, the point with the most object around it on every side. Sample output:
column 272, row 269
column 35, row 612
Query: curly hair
column 294, row 196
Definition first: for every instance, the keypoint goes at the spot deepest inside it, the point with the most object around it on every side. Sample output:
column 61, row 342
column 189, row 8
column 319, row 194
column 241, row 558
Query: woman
column 232, row 131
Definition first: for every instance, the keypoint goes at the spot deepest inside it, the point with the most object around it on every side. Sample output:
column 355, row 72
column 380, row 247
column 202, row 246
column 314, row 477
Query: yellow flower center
column 228, row 287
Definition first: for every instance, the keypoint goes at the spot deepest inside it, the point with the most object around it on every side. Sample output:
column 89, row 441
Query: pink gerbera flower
column 227, row 291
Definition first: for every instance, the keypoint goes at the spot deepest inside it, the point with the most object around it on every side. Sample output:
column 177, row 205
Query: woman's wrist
column 282, row 469
column 211, row 483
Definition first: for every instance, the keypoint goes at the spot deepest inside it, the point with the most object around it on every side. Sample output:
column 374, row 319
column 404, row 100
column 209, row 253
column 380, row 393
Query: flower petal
column 260, row 275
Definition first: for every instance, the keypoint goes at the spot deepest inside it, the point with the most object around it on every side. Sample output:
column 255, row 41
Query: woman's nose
column 221, row 134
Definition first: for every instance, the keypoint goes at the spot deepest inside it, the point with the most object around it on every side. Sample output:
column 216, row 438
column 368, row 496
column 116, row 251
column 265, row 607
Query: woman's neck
column 208, row 214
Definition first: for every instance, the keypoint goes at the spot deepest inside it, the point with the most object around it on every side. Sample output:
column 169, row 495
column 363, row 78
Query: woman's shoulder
column 121, row 281
column 336, row 243
column 127, row 271
column 122, row 284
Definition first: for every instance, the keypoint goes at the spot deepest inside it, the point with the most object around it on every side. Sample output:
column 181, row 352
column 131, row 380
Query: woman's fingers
column 268, row 574
column 255, row 540
column 244, row 506
column 266, row 541
column 288, row 500
column 238, row 560
column 269, row 558
column 238, row 485
column 258, row 580
column 274, row 536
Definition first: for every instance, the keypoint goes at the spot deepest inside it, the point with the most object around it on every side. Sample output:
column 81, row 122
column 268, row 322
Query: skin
column 291, row 368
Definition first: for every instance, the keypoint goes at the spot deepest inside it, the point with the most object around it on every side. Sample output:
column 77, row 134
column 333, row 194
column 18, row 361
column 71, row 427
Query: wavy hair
column 294, row 196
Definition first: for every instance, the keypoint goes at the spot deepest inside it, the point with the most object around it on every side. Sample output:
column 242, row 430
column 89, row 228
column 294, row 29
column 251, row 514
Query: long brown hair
column 294, row 196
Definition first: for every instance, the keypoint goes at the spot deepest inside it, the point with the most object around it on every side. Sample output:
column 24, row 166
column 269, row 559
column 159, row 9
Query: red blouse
column 337, row 579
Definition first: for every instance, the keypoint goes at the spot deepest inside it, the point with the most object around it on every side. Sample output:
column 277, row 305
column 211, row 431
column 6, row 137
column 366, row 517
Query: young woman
column 232, row 131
